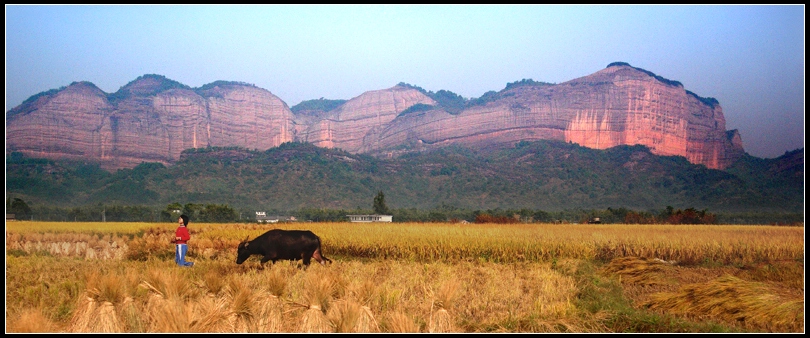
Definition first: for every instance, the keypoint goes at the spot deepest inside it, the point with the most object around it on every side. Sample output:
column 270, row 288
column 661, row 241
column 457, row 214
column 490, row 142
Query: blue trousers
column 180, row 255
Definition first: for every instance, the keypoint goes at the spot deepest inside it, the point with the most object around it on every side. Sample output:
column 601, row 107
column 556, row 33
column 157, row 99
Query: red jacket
column 182, row 232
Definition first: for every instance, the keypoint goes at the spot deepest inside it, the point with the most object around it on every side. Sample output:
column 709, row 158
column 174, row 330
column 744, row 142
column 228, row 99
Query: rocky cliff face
column 153, row 119
column 146, row 122
column 354, row 125
column 615, row 106
column 61, row 125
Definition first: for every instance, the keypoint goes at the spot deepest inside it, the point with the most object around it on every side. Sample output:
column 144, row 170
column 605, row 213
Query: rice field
column 408, row 277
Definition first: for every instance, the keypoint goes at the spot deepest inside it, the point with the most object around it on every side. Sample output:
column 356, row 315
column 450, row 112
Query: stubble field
column 408, row 277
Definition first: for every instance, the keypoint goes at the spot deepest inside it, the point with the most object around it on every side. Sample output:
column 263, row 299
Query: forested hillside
column 544, row 175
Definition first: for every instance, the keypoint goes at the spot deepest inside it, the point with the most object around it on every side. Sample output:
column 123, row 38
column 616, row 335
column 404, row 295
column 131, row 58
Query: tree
column 215, row 213
column 19, row 208
column 171, row 213
column 379, row 204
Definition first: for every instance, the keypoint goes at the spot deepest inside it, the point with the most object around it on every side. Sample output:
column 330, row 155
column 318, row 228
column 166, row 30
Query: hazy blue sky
column 750, row 58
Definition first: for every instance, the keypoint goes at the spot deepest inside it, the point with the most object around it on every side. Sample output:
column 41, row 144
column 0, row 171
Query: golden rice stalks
column 96, row 311
column 168, row 285
column 367, row 322
column 251, row 311
column 84, row 315
column 637, row 270
column 440, row 322
column 242, row 312
column 30, row 321
column 166, row 309
column 398, row 322
column 447, row 292
column 242, row 302
column 344, row 315
column 349, row 316
column 169, row 315
column 734, row 300
column 94, row 316
column 268, row 318
column 317, row 291
column 554, row 294
column 106, row 320
column 314, row 321
column 365, row 291
column 131, row 317
column 442, row 299
column 214, row 315
column 276, row 282
column 213, row 282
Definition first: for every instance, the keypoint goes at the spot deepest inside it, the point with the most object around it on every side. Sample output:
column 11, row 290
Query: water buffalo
column 280, row 244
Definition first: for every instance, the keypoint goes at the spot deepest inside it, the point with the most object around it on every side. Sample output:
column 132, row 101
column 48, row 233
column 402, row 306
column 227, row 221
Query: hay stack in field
column 348, row 316
column 317, row 292
column 95, row 317
column 83, row 316
column 131, row 316
column 314, row 321
column 241, row 310
column 106, row 320
column 166, row 307
column 366, row 323
column 165, row 315
column 733, row 300
column 248, row 310
column 213, row 316
column 440, row 320
column 269, row 314
column 96, row 311
column 638, row 270
column 276, row 283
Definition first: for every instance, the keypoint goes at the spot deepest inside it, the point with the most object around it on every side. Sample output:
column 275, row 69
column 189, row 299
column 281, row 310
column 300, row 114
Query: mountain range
column 154, row 119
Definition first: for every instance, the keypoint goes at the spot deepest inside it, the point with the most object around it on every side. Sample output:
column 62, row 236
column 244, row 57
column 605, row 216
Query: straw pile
column 440, row 320
column 733, row 300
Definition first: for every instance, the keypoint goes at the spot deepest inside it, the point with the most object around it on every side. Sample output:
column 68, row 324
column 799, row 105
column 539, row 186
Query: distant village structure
column 262, row 217
column 371, row 218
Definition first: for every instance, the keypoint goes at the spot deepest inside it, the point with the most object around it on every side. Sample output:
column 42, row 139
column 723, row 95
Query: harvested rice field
column 64, row 277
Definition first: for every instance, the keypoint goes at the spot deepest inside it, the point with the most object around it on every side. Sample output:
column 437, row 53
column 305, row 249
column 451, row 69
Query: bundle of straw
column 317, row 291
column 398, row 322
column 440, row 322
column 366, row 323
column 268, row 318
column 94, row 316
column 314, row 321
column 84, row 315
column 349, row 316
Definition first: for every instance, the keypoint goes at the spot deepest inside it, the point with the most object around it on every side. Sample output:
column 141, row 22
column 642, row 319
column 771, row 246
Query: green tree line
column 223, row 213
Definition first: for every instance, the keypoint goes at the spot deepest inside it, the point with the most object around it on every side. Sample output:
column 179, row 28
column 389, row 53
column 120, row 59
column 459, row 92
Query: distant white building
column 262, row 217
column 371, row 218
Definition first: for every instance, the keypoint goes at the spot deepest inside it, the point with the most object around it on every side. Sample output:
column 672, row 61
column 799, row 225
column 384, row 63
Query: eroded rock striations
column 153, row 119
column 619, row 105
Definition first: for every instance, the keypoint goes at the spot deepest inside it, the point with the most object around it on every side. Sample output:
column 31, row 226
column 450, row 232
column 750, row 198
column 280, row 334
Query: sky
column 748, row 57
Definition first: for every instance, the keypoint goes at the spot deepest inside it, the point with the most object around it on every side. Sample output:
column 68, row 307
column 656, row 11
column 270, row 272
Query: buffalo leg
column 307, row 257
column 319, row 257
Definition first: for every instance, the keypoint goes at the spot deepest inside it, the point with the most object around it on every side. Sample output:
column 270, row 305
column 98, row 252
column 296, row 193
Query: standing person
column 181, row 236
